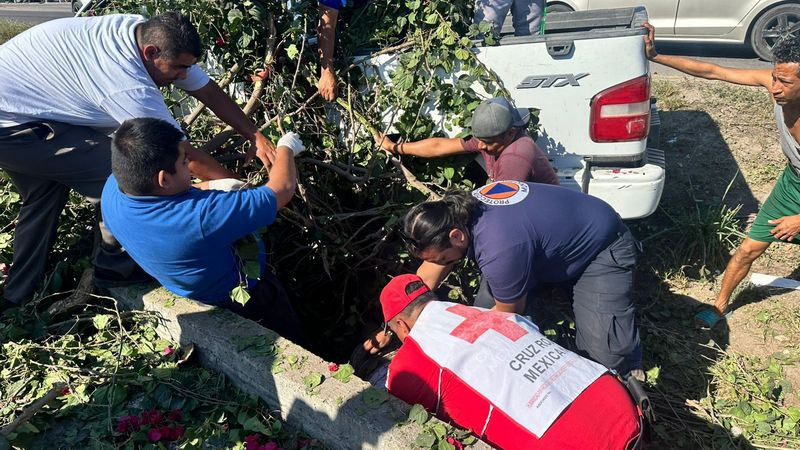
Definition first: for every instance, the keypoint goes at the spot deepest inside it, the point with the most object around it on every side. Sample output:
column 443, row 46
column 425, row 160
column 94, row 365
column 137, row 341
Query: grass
column 668, row 94
column 734, row 386
column 9, row 29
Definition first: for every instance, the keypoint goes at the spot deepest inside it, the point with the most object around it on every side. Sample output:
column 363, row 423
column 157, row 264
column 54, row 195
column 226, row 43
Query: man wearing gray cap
column 498, row 133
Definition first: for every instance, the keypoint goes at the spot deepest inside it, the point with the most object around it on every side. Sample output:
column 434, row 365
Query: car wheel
column 558, row 7
column 772, row 26
column 76, row 6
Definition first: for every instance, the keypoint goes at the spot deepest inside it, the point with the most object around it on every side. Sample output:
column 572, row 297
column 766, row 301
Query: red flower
column 4, row 268
column 176, row 415
column 167, row 350
column 177, row 432
column 66, row 391
column 169, row 433
column 269, row 446
column 128, row 424
column 219, row 42
column 152, row 417
column 333, row 367
column 252, row 442
column 154, row 435
column 455, row 443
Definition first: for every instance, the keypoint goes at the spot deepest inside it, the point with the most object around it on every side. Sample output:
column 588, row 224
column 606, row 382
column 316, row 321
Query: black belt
column 39, row 128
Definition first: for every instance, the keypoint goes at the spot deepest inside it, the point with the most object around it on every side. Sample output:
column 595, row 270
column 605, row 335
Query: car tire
column 76, row 6
column 773, row 25
column 558, row 7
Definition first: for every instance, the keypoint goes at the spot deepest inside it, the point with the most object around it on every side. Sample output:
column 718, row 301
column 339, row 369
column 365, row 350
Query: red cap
column 394, row 298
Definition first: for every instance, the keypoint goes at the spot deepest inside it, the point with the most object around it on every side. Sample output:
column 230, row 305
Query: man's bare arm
column 226, row 109
column 203, row 166
column 326, row 30
column 283, row 175
column 709, row 71
column 433, row 274
column 426, row 148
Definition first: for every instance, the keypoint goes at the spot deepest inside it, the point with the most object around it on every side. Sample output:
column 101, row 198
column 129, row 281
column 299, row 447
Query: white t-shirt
column 82, row 71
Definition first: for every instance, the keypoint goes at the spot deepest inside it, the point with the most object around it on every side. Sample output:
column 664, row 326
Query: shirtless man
column 779, row 217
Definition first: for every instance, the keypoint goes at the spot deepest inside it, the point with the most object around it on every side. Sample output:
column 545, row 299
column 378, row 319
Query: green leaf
column 418, row 414
column 235, row 15
column 426, row 439
column 444, row 445
column 439, row 430
column 374, row 397
column 449, row 172
column 313, row 380
column 252, row 269
column 652, row 374
column 292, row 52
column 254, row 424
column 259, row 345
column 344, row 373
column 462, row 54
column 240, row 295
column 485, row 26
column 100, row 321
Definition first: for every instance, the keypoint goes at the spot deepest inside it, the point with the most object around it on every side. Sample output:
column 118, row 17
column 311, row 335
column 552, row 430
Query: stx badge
column 547, row 81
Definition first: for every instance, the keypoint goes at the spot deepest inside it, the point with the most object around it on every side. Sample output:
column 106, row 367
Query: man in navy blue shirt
column 183, row 236
column 524, row 234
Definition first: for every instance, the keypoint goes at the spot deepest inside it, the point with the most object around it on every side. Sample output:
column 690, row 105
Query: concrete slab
column 342, row 415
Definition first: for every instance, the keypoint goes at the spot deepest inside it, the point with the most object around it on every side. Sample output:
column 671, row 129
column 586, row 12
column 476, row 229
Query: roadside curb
column 341, row 415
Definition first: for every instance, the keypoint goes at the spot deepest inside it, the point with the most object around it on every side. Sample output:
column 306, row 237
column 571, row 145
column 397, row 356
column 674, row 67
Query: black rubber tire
column 76, row 6
column 558, row 7
column 773, row 25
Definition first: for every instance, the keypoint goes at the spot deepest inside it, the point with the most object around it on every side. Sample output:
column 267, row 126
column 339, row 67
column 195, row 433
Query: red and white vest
column 498, row 376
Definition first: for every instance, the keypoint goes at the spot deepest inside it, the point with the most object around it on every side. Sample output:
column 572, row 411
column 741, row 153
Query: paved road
column 727, row 55
column 738, row 56
column 34, row 12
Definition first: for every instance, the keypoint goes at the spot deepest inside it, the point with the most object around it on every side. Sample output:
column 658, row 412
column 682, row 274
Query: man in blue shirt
column 184, row 236
column 524, row 234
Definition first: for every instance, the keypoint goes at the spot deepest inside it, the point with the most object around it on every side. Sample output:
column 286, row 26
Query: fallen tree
column 336, row 243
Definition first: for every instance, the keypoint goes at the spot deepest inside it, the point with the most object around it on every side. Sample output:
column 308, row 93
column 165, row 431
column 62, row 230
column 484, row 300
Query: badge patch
column 502, row 193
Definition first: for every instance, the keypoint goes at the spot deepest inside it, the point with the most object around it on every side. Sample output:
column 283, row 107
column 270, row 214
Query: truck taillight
column 622, row 112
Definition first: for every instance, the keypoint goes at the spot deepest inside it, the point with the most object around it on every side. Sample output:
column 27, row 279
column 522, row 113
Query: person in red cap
column 496, row 375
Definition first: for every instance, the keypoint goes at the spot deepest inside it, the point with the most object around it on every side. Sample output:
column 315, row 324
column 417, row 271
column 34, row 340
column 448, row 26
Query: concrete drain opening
column 341, row 415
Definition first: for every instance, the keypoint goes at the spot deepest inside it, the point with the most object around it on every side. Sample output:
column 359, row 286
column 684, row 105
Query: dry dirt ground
column 713, row 133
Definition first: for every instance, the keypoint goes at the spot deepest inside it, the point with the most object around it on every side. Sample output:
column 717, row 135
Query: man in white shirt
column 66, row 85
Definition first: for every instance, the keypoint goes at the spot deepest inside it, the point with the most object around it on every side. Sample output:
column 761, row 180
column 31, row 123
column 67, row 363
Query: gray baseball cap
column 495, row 116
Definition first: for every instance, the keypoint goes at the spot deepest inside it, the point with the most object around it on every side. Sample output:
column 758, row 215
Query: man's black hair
column 429, row 224
column 787, row 50
column 173, row 34
column 140, row 149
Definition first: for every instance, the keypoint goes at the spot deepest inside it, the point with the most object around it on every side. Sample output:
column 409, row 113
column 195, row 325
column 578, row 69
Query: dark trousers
column 269, row 306
column 45, row 160
column 605, row 319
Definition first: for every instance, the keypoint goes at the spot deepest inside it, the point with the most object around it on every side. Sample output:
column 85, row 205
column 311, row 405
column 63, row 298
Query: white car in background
column 757, row 23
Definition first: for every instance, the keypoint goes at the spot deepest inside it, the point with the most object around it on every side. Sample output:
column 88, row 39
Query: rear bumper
column 633, row 192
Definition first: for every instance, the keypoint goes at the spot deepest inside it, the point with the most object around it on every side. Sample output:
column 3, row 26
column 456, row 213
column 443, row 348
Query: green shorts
column 784, row 200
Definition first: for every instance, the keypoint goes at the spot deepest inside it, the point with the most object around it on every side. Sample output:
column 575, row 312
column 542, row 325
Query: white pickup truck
column 590, row 80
